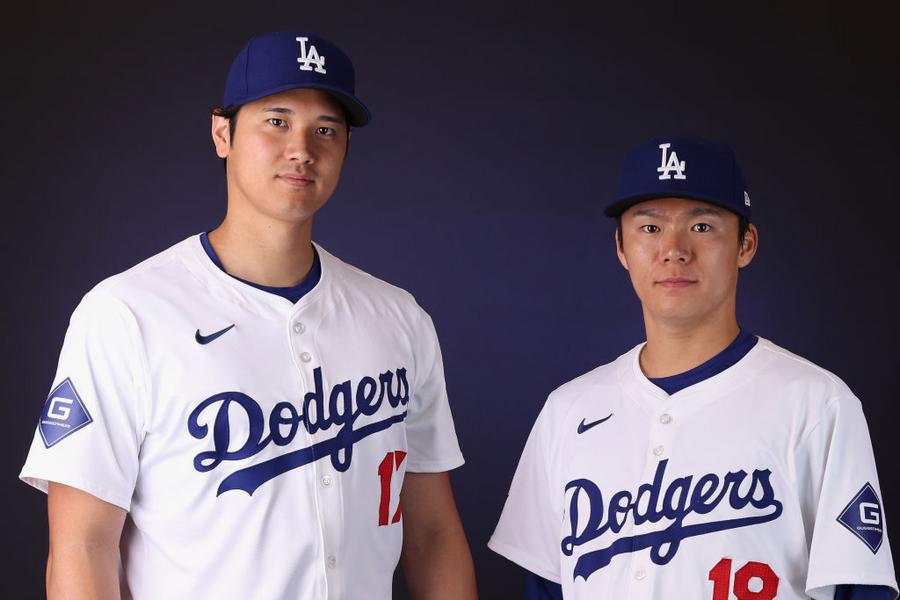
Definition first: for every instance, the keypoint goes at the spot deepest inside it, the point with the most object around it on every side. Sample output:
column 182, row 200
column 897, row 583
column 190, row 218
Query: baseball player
column 706, row 463
column 243, row 415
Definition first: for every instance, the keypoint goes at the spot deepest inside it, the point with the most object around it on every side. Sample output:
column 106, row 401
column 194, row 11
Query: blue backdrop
column 496, row 137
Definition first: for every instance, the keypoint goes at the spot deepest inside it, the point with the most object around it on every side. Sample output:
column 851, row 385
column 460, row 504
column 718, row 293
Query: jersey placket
column 660, row 444
column 303, row 326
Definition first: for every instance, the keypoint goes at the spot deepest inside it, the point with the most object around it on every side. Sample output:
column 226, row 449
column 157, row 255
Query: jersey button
column 658, row 451
column 305, row 356
column 332, row 562
column 326, row 480
column 665, row 419
column 299, row 327
column 640, row 574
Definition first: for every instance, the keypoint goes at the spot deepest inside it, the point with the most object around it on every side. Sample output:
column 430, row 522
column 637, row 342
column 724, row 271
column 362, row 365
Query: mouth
column 296, row 180
column 676, row 282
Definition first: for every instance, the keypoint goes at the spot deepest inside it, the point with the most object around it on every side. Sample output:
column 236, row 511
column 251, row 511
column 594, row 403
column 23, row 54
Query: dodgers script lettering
column 682, row 497
column 315, row 414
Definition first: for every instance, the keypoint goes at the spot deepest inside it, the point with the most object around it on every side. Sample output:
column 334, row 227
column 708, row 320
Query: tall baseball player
column 243, row 414
column 706, row 463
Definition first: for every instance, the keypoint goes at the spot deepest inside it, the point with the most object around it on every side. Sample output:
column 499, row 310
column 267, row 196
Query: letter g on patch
column 64, row 413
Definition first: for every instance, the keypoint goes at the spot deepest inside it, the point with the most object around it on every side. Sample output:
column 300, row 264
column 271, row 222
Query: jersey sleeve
column 430, row 434
column 863, row 592
column 843, row 510
column 528, row 532
column 90, row 429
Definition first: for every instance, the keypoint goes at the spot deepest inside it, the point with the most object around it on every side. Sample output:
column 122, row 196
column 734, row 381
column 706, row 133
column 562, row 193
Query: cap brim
column 357, row 113
column 616, row 209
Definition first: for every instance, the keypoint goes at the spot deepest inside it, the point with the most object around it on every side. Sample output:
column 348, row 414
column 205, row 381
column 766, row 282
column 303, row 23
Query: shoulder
column 814, row 396
column 798, row 376
column 364, row 289
column 161, row 273
column 598, row 384
column 125, row 292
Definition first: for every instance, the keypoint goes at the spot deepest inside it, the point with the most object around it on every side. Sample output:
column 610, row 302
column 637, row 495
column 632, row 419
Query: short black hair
column 743, row 228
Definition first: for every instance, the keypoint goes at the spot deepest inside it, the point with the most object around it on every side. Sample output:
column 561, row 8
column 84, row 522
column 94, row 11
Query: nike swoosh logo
column 205, row 339
column 582, row 427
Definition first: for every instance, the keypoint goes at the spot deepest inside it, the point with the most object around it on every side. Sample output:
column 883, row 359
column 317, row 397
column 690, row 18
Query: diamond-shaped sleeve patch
column 64, row 413
column 862, row 516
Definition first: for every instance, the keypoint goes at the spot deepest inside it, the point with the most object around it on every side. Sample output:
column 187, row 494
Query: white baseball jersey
column 754, row 484
column 259, row 446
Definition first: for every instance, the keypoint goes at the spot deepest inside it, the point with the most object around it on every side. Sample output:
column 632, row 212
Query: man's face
column 683, row 257
column 285, row 159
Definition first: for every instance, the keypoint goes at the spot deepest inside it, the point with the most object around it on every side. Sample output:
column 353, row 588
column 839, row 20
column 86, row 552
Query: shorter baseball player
column 242, row 415
column 706, row 463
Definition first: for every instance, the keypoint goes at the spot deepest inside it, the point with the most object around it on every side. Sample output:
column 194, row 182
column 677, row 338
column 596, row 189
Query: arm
column 84, row 545
column 435, row 558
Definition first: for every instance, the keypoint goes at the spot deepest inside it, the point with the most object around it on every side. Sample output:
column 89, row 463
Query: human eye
column 326, row 131
column 276, row 122
column 650, row 228
column 701, row 227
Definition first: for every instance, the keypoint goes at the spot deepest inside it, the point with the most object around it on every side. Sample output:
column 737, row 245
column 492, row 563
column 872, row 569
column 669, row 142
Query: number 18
column 720, row 575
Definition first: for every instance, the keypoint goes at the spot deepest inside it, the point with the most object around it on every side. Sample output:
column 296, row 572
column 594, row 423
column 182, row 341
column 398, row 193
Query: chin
column 286, row 213
column 296, row 218
column 685, row 311
column 296, row 209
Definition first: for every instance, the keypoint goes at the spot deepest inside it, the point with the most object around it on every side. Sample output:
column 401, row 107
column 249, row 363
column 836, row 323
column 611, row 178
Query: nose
column 675, row 247
column 300, row 149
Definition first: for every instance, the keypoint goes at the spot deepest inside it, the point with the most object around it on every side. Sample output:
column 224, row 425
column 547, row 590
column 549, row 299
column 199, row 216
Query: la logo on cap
column 309, row 57
column 670, row 164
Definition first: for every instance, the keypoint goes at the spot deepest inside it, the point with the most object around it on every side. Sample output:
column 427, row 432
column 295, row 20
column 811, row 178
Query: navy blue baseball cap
column 276, row 62
column 682, row 167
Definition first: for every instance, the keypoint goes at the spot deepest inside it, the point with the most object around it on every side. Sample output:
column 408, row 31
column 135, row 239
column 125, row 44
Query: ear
column 620, row 249
column 749, row 245
column 221, row 136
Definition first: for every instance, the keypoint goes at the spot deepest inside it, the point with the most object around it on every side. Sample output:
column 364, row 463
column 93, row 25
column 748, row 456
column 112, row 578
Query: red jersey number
column 720, row 575
column 390, row 463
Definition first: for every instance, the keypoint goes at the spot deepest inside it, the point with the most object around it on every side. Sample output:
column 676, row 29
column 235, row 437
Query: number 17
column 390, row 463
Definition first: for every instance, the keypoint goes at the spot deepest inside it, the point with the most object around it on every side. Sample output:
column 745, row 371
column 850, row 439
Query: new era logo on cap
column 64, row 413
column 281, row 61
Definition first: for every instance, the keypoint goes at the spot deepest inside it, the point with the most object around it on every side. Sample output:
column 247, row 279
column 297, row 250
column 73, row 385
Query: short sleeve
column 841, row 499
column 430, row 434
column 528, row 532
column 91, row 426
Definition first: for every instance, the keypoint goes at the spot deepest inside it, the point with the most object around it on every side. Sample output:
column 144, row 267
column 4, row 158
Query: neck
column 674, row 348
column 270, row 253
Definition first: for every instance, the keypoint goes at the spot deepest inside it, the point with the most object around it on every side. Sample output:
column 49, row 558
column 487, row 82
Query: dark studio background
column 497, row 135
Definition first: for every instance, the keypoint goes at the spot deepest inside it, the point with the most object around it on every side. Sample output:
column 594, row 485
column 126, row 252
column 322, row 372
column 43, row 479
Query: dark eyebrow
column 287, row 111
column 278, row 109
column 648, row 212
column 700, row 211
column 332, row 119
